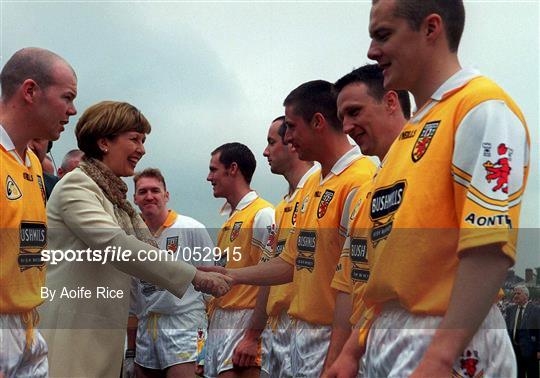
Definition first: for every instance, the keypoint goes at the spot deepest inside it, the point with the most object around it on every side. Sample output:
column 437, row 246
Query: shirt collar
column 171, row 218
column 312, row 170
column 454, row 82
column 8, row 145
column 316, row 167
column 450, row 86
column 244, row 202
column 347, row 159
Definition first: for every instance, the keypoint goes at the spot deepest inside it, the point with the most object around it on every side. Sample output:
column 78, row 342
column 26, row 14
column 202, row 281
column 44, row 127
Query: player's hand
column 232, row 273
column 213, row 283
column 213, row 268
column 199, row 370
column 245, row 353
column 128, row 369
column 345, row 366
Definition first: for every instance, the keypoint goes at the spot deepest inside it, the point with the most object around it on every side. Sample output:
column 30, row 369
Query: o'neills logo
column 32, row 236
column 384, row 204
column 387, row 200
column 306, row 245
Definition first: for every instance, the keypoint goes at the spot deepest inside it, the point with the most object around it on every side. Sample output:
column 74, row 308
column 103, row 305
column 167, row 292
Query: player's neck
column 154, row 222
column 236, row 195
column 15, row 129
column 332, row 151
column 294, row 176
column 435, row 76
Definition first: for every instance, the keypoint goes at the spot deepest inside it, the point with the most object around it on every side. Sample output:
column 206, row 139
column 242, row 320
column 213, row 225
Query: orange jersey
column 23, row 232
column 244, row 238
column 452, row 181
column 317, row 240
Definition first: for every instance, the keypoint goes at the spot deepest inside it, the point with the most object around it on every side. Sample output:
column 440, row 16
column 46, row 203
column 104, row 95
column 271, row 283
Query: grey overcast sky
column 206, row 73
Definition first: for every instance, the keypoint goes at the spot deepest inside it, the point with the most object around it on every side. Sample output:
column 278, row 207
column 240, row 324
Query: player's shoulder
column 263, row 204
column 184, row 221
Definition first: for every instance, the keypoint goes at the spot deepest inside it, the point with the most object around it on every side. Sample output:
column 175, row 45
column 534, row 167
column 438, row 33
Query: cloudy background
column 206, row 73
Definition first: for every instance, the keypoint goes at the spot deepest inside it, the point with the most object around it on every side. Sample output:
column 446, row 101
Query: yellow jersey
column 23, row 230
column 243, row 240
column 351, row 272
column 318, row 237
column 452, row 181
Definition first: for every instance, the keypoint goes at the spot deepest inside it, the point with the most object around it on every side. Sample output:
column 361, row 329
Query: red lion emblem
column 469, row 365
column 500, row 170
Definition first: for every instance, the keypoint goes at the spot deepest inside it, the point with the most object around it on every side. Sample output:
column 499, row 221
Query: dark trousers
column 527, row 366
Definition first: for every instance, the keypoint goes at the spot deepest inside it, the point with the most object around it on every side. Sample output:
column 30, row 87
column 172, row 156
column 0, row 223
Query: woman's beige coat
column 86, row 336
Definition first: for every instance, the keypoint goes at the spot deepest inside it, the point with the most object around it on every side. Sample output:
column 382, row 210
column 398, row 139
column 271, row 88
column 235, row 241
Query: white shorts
column 398, row 339
column 226, row 329
column 309, row 344
column 276, row 346
column 167, row 340
column 16, row 360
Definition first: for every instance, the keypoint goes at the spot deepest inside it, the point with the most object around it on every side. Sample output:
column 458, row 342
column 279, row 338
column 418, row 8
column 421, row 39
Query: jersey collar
column 449, row 87
column 169, row 221
column 455, row 82
column 244, row 202
column 316, row 167
column 8, row 145
column 343, row 163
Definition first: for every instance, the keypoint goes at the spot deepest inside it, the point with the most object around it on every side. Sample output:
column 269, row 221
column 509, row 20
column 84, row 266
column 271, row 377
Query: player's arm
column 470, row 302
column 341, row 328
column 346, row 364
column 245, row 353
column 264, row 232
column 274, row 272
column 490, row 131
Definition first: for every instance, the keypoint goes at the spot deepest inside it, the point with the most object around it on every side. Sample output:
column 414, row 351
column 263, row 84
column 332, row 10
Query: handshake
column 214, row 280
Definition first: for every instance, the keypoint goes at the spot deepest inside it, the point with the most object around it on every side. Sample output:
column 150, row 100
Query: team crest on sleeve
column 468, row 365
column 324, row 202
column 235, row 231
column 500, row 170
column 424, row 140
column 12, row 190
column 171, row 244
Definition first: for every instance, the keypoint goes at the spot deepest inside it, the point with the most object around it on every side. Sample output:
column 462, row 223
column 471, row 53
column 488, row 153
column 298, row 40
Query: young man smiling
column 425, row 249
column 168, row 328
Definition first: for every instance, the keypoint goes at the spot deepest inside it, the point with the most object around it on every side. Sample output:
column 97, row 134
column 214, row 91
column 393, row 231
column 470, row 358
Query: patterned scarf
column 115, row 190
